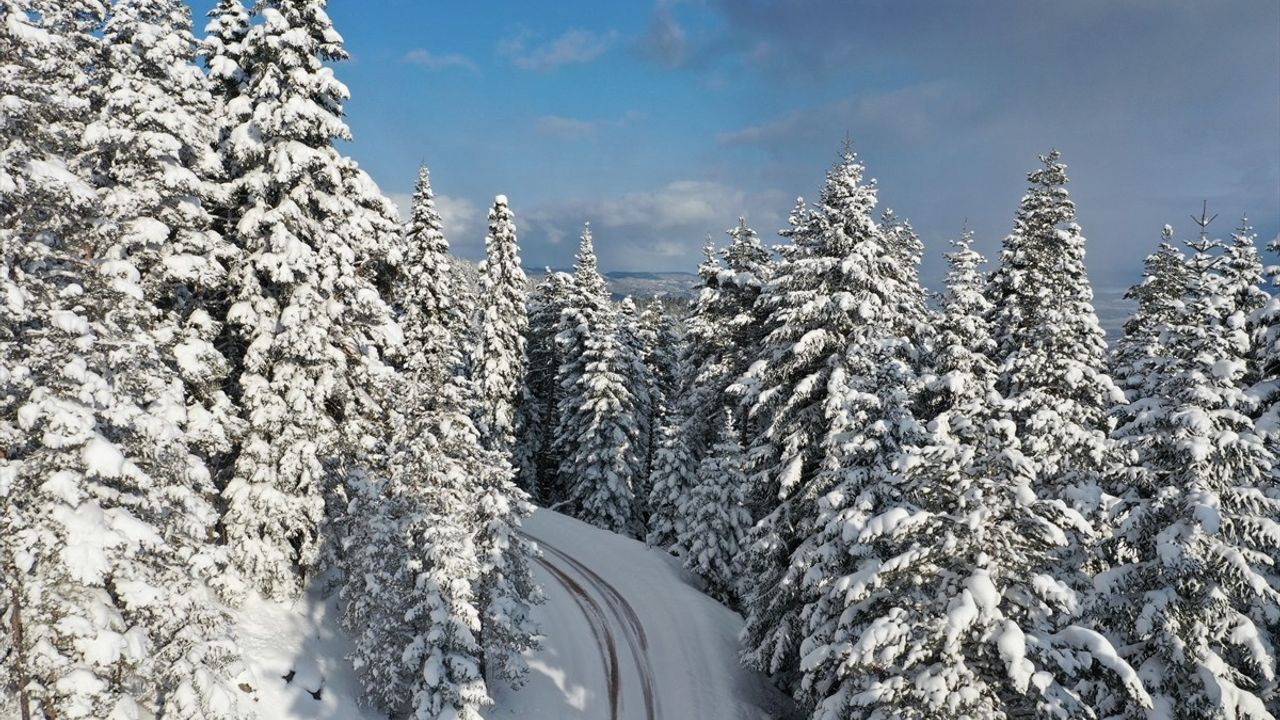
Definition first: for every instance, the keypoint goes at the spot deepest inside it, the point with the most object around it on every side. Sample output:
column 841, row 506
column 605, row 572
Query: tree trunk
column 19, row 656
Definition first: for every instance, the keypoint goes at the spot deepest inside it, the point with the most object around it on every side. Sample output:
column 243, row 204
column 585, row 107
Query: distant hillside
column 640, row 285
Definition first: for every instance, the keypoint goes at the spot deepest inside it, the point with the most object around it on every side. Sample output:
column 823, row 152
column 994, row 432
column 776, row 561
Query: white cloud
column 910, row 115
column 568, row 128
column 565, row 128
column 464, row 224
column 658, row 229
column 431, row 61
column 572, row 46
column 403, row 203
column 462, row 219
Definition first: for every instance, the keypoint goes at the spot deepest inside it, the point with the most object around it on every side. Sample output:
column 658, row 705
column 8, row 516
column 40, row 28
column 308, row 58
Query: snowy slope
column 628, row 636
column 610, row 597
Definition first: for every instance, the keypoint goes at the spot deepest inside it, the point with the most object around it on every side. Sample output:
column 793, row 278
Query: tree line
column 958, row 506
column 227, row 369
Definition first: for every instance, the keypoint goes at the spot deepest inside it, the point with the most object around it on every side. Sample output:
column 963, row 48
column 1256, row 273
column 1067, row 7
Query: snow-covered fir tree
column 661, row 332
column 1265, row 392
column 104, row 553
column 722, row 338
column 534, row 457
column 673, row 477
column 412, row 607
column 716, row 521
column 426, row 295
column 307, row 311
column 944, row 605
column 596, row 433
column 499, row 355
column 1192, row 583
column 1141, row 350
column 505, row 590
column 151, row 153
column 1051, row 353
column 504, row 585
column 685, row 435
column 838, row 293
column 634, row 348
column 222, row 50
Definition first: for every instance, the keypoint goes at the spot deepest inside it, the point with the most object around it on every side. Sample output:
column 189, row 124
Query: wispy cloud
column 573, row 46
column 431, row 61
column 660, row 228
column 462, row 220
column 568, row 128
column 565, row 128
column 912, row 114
column 665, row 41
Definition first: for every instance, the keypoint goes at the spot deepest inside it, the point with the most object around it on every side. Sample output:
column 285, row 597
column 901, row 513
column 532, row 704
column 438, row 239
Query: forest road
column 593, row 595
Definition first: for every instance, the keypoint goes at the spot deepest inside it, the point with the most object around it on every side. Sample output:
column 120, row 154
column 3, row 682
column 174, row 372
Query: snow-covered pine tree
column 1242, row 279
column 534, row 458
column 708, row 342
column 105, row 520
column 1051, row 353
column 716, row 521
column 151, row 153
column 498, row 364
column 307, row 310
column 222, row 50
column 412, row 609
column 1193, row 551
column 945, row 608
column 425, row 296
column 634, row 349
column 596, row 431
column 504, row 586
column 661, row 332
column 723, row 335
column 1265, row 393
column 1140, row 351
column 673, row 476
column 838, row 292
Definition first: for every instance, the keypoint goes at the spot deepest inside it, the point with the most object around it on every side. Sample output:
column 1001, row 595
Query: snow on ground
column 663, row 630
column 619, row 616
column 296, row 658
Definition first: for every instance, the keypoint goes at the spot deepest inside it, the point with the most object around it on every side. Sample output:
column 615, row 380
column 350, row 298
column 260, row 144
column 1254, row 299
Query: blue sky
column 663, row 120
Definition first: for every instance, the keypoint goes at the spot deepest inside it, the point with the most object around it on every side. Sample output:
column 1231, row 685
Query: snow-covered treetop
column 297, row 97
column 225, row 33
column 586, row 273
column 965, row 281
column 747, row 259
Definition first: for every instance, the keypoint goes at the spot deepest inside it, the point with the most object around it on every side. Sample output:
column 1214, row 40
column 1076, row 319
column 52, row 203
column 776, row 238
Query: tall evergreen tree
column 1051, row 350
column 307, row 310
column 596, row 433
column 946, row 608
column 412, row 608
column 1141, row 348
column 1193, row 552
column 425, row 296
column 717, row 522
column 837, row 292
column 634, row 349
column 152, row 156
column 104, row 551
column 499, row 362
column 534, row 457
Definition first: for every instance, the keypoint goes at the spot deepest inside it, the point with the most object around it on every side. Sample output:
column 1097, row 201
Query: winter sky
column 662, row 121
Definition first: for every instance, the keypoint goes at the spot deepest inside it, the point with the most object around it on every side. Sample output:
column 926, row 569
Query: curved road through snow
column 628, row 636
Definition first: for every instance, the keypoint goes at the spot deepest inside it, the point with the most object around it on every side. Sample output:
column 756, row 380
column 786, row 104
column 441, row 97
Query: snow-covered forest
column 231, row 375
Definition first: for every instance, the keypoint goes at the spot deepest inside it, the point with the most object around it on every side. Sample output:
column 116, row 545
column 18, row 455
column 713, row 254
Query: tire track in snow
column 627, row 619
column 599, row 630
